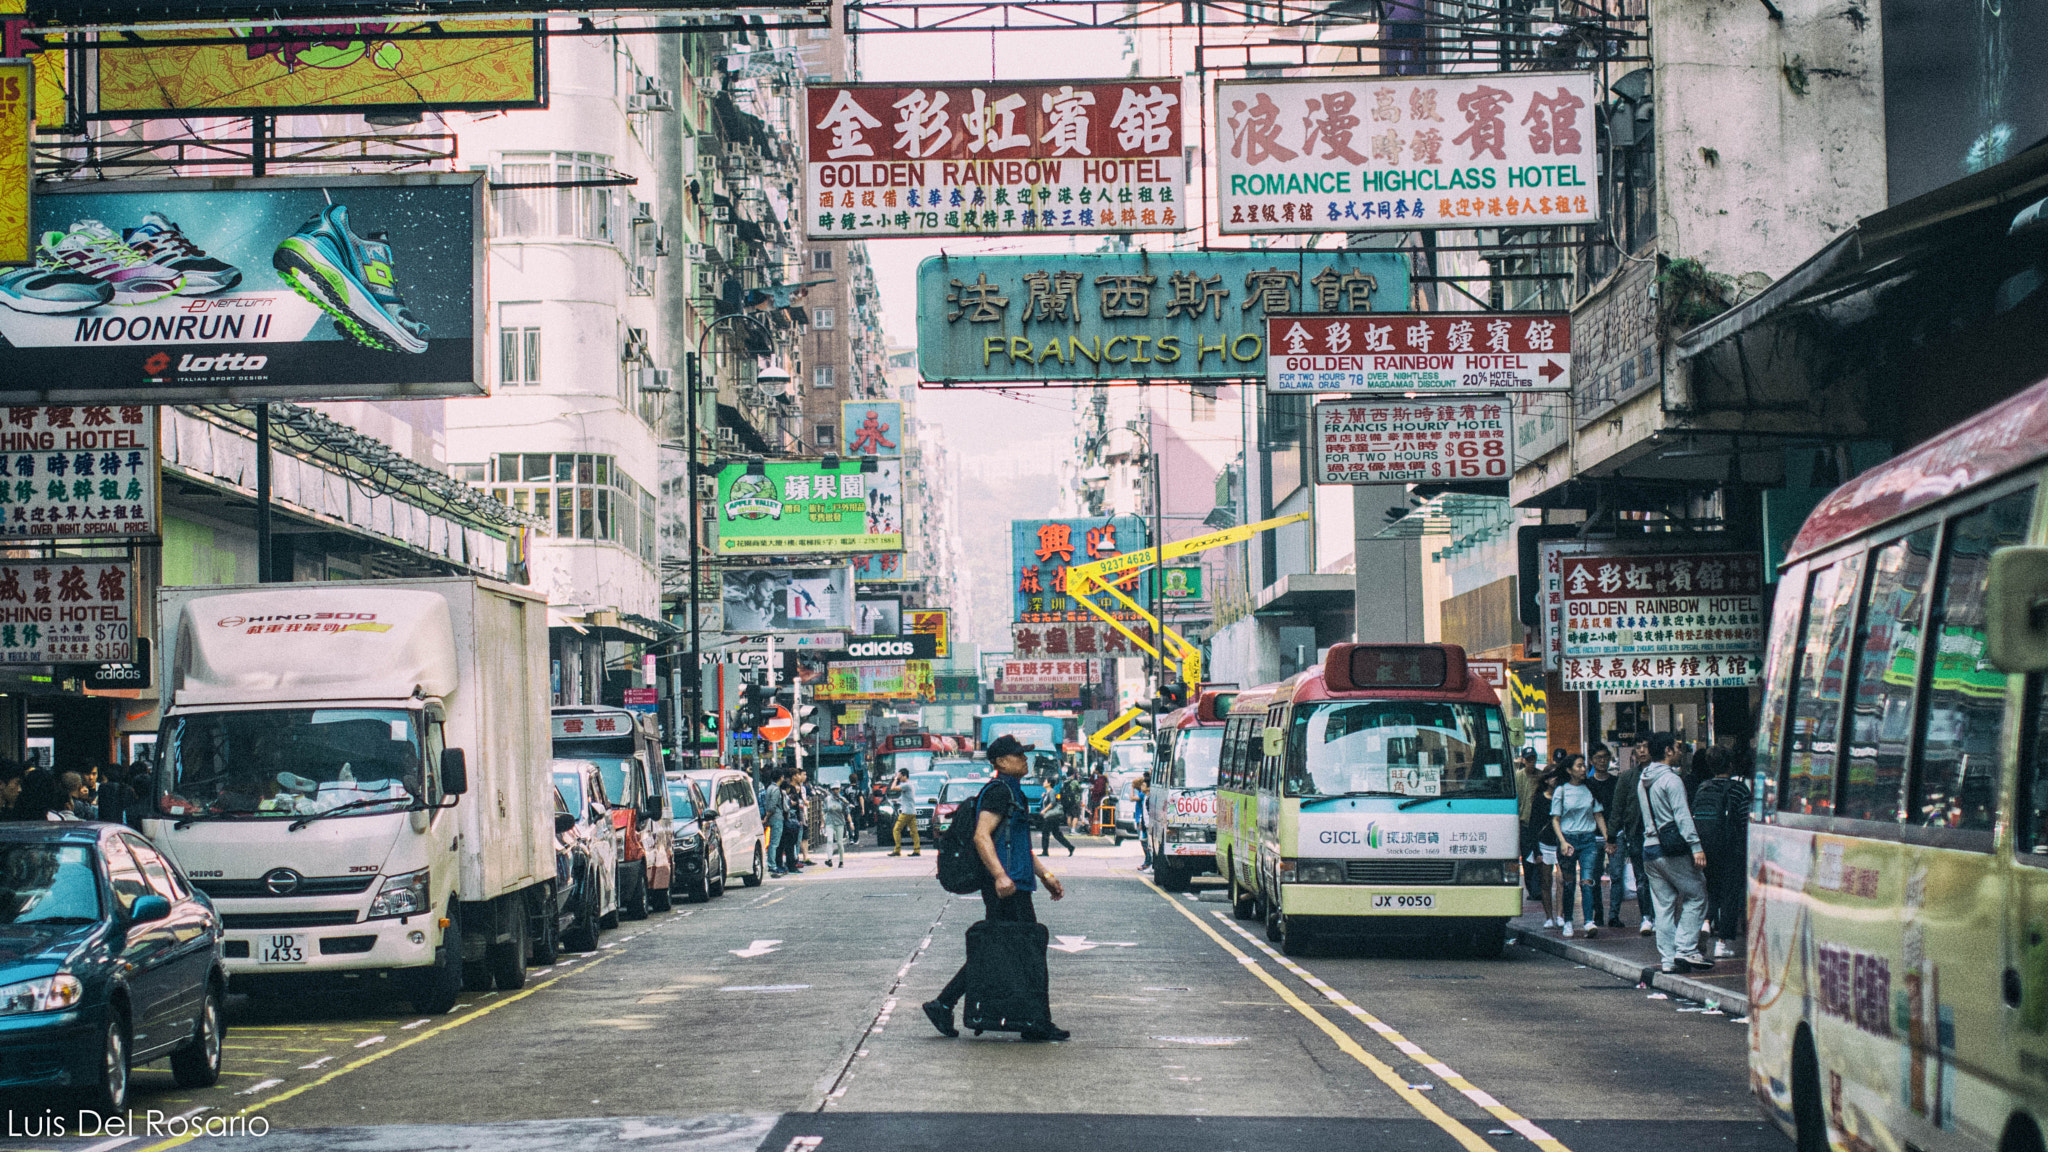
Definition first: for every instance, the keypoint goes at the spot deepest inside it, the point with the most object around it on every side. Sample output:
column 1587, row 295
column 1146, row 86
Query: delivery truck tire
column 507, row 958
column 436, row 989
column 546, row 929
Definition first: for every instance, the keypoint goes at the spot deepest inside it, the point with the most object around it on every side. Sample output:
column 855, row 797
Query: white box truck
column 356, row 773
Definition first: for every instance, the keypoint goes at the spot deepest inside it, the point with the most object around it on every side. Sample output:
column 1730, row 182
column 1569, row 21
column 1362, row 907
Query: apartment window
column 577, row 495
column 822, row 376
column 519, row 355
column 822, row 318
column 821, row 259
column 468, row 473
column 1202, row 402
column 583, row 212
column 828, row 436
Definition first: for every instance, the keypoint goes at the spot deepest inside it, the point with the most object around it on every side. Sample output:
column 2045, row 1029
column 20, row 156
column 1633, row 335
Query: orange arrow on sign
column 777, row 730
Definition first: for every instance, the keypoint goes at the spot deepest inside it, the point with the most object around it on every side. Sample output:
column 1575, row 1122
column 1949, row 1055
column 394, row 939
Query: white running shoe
column 1550, row 922
column 1567, row 929
column 1591, row 930
column 1722, row 950
column 1649, row 927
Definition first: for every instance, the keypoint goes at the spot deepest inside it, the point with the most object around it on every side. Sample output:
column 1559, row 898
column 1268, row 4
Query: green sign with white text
column 790, row 507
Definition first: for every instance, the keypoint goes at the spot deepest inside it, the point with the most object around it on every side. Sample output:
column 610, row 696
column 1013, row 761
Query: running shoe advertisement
column 170, row 291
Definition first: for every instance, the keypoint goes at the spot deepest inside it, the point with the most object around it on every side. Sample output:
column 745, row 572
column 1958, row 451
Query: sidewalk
column 1623, row 952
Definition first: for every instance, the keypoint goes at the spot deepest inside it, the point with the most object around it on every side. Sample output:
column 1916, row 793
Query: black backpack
column 960, row 866
column 1711, row 815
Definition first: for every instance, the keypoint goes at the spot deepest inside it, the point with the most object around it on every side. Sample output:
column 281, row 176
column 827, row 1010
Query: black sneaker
column 941, row 1017
column 1694, row 964
column 1048, row 1033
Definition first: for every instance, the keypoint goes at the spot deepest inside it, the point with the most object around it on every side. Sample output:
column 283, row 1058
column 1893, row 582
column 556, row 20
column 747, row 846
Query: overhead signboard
column 956, row 688
column 788, row 599
column 784, row 507
column 1421, row 352
column 1032, row 673
column 878, row 615
column 1059, row 319
column 933, row 622
column 119, row 675
column 871, row 428
column 881, row 568
column 327, row 288
column 62, row 611
column 79, row 472
column 1550, row 556
column 1070, row 638
column 1638, row 605
column 877, row 680
column 1041, row 551
column 1048, row 158
column 1637, row 673
column 18, row 93
column 358, row 68
column 1392, row 153
column 1371, row 441
column 884, row 647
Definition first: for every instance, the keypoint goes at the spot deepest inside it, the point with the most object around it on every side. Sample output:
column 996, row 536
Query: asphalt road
column 786, row 1019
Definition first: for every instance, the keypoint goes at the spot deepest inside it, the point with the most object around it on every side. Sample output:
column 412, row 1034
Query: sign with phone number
column 1365, row 443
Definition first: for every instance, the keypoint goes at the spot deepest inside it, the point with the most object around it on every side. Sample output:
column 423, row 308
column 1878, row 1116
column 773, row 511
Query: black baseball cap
column 1007, row 746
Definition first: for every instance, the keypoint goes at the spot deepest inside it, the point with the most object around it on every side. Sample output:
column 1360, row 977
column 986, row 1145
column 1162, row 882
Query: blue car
column 109, row 958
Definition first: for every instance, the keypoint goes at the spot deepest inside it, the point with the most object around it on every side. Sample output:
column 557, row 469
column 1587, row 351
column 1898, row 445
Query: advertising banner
column 1351, row 153
column 330, row 288
column 880, row 568
column 1394, row 834
column 1435, row 352
column 878, row 680
column 890, row 647
column 1182, row 583
column 871, row 428
column 1053, row 319
column 1020, row 673
column 878, row 616
column 785, row 506
column 1068, row 639
column 340, row 68
column 79, row 472
column 788, row 599
column 56, row 611
column 956, row 688
column 1058, row 158
column 1663, row 605
column 1635, row 673
column 1363, row 442
column 17, row 156
column 936, row 623
column 1041, row 551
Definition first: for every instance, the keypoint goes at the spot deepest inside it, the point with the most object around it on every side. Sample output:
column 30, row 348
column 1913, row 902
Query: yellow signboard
column 353, row 68
column 17, row 137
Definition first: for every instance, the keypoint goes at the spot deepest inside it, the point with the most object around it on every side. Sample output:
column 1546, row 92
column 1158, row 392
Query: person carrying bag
column 1674, row 860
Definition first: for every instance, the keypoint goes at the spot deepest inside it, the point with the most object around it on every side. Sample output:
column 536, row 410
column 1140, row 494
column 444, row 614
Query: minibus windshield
column 1397, row 748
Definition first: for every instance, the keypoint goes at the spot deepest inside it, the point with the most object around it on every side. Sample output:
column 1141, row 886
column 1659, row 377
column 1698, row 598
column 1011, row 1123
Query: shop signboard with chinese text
column 1047, row 158
column 784, row 507
column 1427, row 352
column 1662, row 605
column 1032, row 673
column 1060, row 319
column 1069, row 638
column 877, row 680
column 79, row 472
column 1635, row 673
column 1550, row 556
column 933, row 622
column 881, row 568
column 1371, row 441
column 871, row 428
column 61, row 611
column 1041, row 551
column 1357, row 153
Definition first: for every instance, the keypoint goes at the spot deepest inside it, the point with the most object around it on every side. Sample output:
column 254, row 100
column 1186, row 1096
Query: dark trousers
column 791, row 833
column 1727, row 891
column 1054, row 828
column 1017, row 907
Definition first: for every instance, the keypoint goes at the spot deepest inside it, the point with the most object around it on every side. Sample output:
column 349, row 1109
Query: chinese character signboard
column 78, row 472
column 1041, row 551
column 880, row 568
column 933, row 622
column 1442, row 352
column 17, row 132
column 878, row 680
column 991, row 159
column 871, row 428
column 66, row 612
column 1132, row 315
column 1635, row 673
column 1663, row 605
column 1374, row 442
column 1397, row 152
column 1069, row 638
column 792, row 506
column 1022, row 673
column 1550, row 555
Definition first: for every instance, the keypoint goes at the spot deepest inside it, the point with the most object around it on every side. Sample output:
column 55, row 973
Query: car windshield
column 1196, row 754
column 613, row 769
column 961, row 791
column 569, row 786
column 1398, row 747
column 290, row 762
column 834, row 775
column 925, row 785
column 1135, row 756
column 47, row 883
column 682, row 800
column 960, row 769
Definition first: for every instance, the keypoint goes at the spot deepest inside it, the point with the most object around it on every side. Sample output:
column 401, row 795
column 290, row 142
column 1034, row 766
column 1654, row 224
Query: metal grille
column 1399, row 871
column 310, row 886
column 288, row 920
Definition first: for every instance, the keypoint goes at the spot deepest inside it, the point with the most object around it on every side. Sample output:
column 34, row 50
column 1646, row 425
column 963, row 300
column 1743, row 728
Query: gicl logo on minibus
column 1372, row 834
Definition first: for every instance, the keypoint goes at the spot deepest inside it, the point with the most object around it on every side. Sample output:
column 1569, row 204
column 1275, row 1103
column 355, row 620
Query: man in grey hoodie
column 1677, row 885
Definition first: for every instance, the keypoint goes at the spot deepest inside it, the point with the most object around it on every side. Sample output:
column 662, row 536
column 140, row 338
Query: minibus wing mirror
column 2016, row 636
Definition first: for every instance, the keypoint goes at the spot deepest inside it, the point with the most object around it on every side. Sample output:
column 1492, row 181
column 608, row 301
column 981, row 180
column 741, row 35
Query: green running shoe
column 349, row 277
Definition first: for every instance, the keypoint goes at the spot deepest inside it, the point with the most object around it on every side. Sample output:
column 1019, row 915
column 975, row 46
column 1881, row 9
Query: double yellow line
column 1453, row 1127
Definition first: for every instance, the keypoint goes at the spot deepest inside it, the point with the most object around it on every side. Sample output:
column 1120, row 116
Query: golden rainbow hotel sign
column 1081, row 318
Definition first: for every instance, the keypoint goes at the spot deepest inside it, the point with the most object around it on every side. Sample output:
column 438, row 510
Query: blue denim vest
column 1013, row 837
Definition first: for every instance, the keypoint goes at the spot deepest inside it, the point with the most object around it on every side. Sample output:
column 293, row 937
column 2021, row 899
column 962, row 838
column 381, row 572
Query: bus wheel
column 1240, row 900
column 1275, row 927
column 1293, row 940
column 1809, row 1116
column 1490, row 941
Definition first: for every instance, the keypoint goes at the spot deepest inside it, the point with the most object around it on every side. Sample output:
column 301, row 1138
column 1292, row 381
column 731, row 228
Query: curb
column 1733, row 1003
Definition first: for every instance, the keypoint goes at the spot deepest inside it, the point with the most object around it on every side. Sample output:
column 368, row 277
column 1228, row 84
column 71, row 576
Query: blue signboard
column 1041, row 551
column 1133, row 315
column 871, row 428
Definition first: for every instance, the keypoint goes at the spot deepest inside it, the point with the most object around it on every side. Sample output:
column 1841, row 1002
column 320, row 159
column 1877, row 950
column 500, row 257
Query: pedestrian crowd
column 799, row 816
column 1663, row 824
column 118, row 793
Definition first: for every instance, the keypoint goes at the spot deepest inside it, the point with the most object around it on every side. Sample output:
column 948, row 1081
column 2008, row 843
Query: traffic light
column 805, row 725
column 756, row 705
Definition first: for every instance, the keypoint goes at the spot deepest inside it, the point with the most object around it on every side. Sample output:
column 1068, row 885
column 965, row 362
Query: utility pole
column 264, row 559
column 1158, row 555
column 696, row 721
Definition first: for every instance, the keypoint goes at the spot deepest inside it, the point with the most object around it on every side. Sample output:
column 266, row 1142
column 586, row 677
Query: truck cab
column 626, row 747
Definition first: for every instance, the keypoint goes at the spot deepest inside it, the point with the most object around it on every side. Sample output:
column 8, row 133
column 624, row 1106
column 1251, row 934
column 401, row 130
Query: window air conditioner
column 636, row 346
column 653, row 380
column 696, row 252
column 705, row 283
column 707, row 486
column 729, row 438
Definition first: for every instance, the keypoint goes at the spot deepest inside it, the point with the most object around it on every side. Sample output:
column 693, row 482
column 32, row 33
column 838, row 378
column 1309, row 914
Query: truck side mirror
column 564, row 821
column 2016, row 617
column 454, row 772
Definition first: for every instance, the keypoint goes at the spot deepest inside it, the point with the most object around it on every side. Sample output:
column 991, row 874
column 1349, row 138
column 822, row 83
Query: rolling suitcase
column 1006, row 979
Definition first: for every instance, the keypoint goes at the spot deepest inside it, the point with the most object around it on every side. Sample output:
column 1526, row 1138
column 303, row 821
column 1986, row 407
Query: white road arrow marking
column 1072, row 944
column 762, row 948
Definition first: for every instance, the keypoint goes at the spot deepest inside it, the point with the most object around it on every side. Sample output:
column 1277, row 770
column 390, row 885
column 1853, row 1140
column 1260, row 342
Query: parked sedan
column 108, row 959
column 581, row 789
column 699, row 852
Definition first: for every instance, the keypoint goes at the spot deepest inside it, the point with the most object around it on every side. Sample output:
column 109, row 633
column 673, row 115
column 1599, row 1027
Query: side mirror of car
column 564, row 821
column 149, row 908
column 454, row 772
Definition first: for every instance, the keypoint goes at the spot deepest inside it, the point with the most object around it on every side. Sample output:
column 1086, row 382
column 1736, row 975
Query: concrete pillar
column 1389, row 596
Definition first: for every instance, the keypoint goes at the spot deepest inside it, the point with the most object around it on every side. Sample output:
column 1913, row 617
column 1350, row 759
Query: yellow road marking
column 379, row 1054
column 1405, row 1046
column 1451, row 1125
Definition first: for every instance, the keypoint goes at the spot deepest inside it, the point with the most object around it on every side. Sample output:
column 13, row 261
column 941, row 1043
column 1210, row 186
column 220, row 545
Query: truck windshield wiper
column 1318, row 797
column 1410, row 803
column 365, row 802
column 223, row 814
